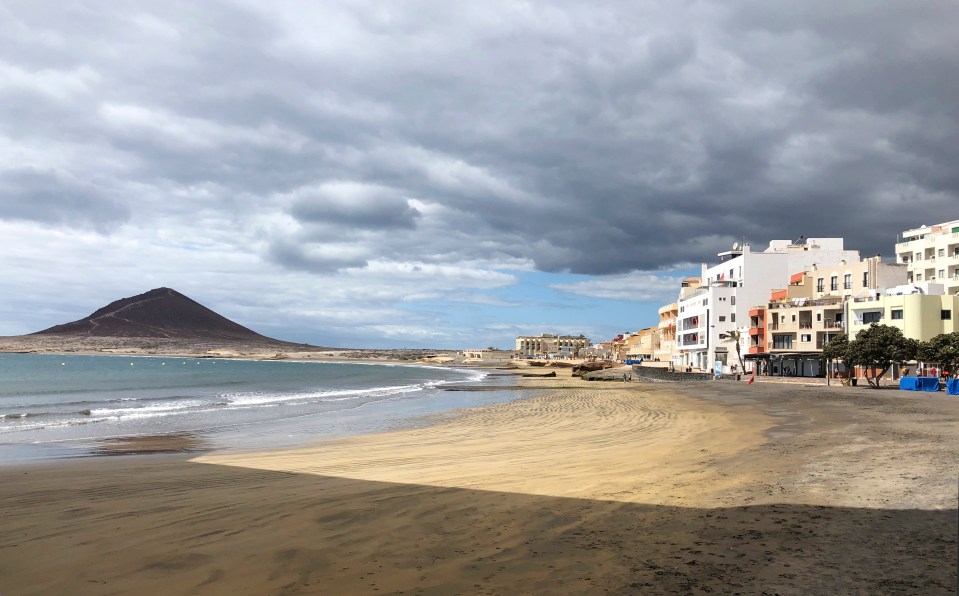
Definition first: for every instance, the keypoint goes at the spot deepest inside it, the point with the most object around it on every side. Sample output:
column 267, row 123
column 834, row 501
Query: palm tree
column 736, row 337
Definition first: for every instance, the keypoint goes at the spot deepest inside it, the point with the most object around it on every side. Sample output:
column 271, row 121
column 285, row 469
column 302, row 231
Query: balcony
column 800, row 302
column 756, row 330
column 757, row 350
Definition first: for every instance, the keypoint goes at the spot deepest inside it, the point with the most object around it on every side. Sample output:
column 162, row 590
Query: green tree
column 942, row 349
column 835, row 348
column 735, row 336
column 878, row 347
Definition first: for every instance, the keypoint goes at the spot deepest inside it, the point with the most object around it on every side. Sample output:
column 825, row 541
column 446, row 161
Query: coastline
column 629, row 488
column 401, row 406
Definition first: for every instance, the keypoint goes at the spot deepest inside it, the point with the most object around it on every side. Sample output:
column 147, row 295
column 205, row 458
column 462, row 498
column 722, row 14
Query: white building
column 931, row 254
column 741, row 280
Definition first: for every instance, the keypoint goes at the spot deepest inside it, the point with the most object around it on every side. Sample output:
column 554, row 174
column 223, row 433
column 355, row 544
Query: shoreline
column 631, row 489
column 396, row 412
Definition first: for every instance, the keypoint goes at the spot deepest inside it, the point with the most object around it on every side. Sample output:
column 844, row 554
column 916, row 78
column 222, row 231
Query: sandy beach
column 599, row 487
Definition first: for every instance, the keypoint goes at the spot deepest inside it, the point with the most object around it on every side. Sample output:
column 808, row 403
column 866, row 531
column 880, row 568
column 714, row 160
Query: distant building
column 931, row 254
column 487, row 354
column 643, row 344
column 550, row 344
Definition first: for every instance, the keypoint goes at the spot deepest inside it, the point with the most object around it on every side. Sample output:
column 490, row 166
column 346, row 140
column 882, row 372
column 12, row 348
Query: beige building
column 487, row 354
column 931, row 254
column 667, row 332
column 802, row 317
column 550, row 344
column 642, row 344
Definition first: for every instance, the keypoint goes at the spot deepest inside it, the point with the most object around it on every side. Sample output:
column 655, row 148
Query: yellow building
column 919, row 316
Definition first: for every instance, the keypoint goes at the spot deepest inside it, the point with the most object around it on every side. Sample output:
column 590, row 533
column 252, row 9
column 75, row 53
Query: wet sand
column 597, row 487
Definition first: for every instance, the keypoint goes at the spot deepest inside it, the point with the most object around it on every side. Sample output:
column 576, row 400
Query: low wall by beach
column 650, row 374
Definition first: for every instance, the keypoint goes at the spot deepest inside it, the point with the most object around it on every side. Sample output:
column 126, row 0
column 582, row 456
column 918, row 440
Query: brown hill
column 158, row 313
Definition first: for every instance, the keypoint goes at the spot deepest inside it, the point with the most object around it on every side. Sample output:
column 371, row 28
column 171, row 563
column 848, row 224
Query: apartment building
column 642, row 344
column 667, row 332
column 732, row 288
column 931, row 254
column 921, row 311
column 801, row 318
column 550, row 344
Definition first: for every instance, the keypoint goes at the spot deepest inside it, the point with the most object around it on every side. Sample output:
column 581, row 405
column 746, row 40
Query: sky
column 433, row 174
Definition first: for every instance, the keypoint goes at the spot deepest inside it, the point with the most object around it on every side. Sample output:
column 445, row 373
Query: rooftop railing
column 804, row 302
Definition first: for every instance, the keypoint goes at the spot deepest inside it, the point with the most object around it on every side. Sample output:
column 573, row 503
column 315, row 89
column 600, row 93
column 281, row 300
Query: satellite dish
column 735, row 246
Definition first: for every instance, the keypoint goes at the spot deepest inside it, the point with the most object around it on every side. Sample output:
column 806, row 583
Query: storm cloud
column 610, row 139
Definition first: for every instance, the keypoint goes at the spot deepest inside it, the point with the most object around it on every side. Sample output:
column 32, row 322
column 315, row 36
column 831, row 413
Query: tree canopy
column 942, row 349
column 836, row 347
column 876, row 348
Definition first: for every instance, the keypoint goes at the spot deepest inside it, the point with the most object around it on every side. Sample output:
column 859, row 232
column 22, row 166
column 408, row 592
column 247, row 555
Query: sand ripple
column 589, row 443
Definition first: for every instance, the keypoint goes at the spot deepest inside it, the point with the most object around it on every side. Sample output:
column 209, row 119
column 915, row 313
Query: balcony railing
column 803, row 302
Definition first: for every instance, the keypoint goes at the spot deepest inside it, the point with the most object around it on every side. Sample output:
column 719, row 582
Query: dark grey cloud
column 51, row 198
column 354, row 205
column 595, row 139
column 318, row 259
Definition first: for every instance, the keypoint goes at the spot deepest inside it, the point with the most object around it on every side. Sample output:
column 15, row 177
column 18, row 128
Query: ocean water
column 61, row 406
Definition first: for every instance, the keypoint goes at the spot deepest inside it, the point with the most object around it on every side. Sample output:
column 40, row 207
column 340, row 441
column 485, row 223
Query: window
column 818, row 316
column 820, row 285
column 834, row 283
column 805, row 337
column 732, row 318
column 918, row 256
column 794, row 318
column 731, row 271
column 871, row 317
column 722, row 319
column 865, row 279
column 895, row 314
column 919, row 277
column 732, row 300
column 705, row 300
column 782, row 342
column 847, row 281
column 942, row 273
column 942, row 252
column 946, row 315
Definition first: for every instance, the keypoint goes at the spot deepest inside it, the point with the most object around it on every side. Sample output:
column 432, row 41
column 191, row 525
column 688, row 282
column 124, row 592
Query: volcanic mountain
column 158, row 313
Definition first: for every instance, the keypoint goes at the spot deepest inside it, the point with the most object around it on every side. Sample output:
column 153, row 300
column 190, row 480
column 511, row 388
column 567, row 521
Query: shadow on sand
column 155, row 525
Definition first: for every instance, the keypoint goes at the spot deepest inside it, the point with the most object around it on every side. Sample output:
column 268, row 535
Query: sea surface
column 55, row 406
